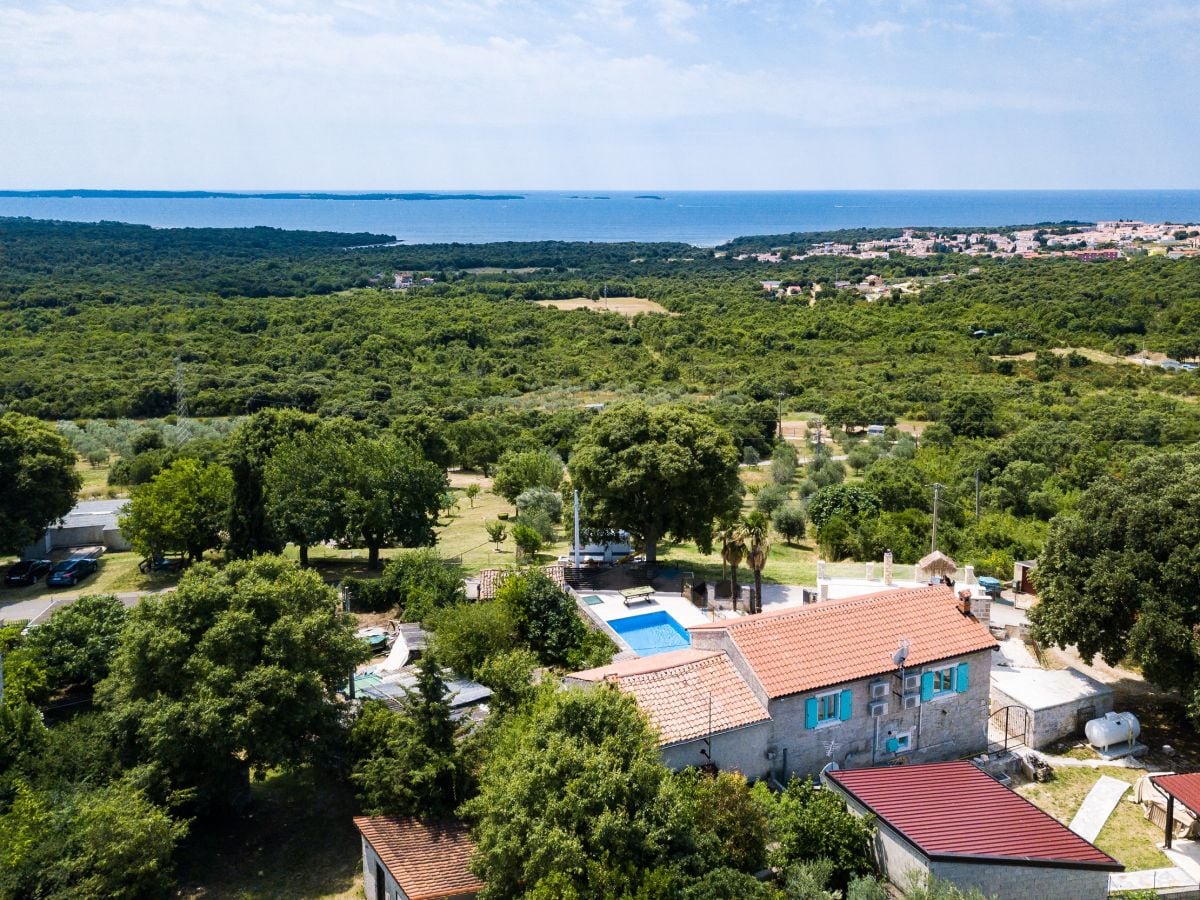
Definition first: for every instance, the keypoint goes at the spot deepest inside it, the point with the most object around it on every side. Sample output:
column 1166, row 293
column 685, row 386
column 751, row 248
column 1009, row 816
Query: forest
column 258, row 393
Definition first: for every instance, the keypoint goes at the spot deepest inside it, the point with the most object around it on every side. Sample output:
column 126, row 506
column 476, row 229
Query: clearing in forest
column 625, row 306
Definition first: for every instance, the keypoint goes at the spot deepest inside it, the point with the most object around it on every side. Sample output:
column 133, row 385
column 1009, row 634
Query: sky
column 603, row 94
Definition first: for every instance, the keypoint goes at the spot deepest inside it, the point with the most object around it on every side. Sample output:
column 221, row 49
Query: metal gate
column 1008, row 728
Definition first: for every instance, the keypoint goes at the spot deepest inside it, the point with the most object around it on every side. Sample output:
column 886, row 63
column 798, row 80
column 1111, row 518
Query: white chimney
column 969, row 575
column 887, row 566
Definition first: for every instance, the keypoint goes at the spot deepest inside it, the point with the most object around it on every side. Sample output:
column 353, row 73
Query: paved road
column 37, row 609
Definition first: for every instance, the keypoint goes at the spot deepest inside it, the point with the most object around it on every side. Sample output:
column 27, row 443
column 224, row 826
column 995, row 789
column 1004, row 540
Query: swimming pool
column 651, row 633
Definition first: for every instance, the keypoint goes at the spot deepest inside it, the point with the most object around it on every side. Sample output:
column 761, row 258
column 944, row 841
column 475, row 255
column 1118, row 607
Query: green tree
column 544, row 615
column 566, row 804
column 496, row 531
column 969, row 413
column 808, row 823
column 101, row 842
column 655, row 472
column 235, row 671
column 528, row 540
column 394, row 496
column 519, row 470
column 509, row 674
column 25, row 676
column 37, row 470
column 418, row 583
column 771, row 497
column 471, row 491
column 76, row 645
column 755, row 532
column 1117, row 576
column 408, row 761
column 789, row 521
column 247, row 453
column 733, row 551
column 465, row 635
column 184, row 509
column 898, row 485
column 307, row 480
column 847, row 501
column 783, row 463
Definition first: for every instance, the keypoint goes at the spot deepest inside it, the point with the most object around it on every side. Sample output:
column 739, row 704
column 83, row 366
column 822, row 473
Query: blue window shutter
column 846, row 705
column 962, row 680
column 926, row 687
column 893, row 745
column 810, row 712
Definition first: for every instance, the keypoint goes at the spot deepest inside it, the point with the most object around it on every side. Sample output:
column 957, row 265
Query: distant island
column 234, row 195
column 586, row 197
column 649, row 197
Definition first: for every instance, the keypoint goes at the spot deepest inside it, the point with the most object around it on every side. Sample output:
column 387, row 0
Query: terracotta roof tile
column 807, row 647
column 675, row 697
column 428, row 860
column 642, row 665
column 491, row 579
column 956, row 810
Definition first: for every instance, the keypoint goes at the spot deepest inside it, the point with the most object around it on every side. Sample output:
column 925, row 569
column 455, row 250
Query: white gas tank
column 1112, row 728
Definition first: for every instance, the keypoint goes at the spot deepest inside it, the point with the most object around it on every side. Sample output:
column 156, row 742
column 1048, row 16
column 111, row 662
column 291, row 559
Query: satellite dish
column 901, row 653
column 828, row 767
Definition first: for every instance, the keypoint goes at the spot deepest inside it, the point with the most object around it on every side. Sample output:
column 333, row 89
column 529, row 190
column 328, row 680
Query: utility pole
column 937, row 496
column 779, row 415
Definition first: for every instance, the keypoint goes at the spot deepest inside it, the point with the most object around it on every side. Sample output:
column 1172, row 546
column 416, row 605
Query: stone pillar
column 870, row 571
column 969, row 575
column 820, row 570
column 887, row 567
column 823, row 591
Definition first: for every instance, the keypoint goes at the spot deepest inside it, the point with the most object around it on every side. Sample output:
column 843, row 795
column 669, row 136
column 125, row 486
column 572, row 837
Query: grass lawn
column 297, row 841
column 1127, row 837
column 95, row 482
column 117, row 573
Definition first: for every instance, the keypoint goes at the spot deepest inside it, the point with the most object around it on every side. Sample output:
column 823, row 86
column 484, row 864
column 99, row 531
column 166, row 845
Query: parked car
column 26, row 572
column 70, row 572
column 169, row 565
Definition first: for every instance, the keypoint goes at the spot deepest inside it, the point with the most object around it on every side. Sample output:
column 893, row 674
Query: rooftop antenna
column 706, row 750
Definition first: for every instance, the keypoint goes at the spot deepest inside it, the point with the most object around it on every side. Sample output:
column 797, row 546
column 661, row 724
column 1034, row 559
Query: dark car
column 70, row 572
column 26, row 572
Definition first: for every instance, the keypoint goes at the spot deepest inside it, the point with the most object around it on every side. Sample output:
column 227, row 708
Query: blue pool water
column 651, row 633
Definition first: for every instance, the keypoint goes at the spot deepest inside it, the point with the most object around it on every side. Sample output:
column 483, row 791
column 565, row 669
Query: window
column 943, row 680
column 904, row 742
column 827, row 707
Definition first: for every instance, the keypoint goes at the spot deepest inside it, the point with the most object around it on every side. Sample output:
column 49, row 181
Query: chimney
column 964, row 602
column 823, row 591
column 981, row 609
column 887, row 567
column 969, row 575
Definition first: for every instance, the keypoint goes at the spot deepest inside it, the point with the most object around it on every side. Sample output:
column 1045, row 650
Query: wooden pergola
column 1185, row 789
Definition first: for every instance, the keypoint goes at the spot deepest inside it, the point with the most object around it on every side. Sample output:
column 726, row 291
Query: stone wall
column 947, row 727
column 741, row 749
column 1012, row 882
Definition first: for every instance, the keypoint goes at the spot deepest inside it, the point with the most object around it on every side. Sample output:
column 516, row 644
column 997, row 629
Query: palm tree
column 755, row 534
column 733, row 551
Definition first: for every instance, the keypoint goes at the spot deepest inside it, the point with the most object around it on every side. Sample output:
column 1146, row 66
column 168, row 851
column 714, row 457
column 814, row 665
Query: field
column 1128, row 837
column 625, row 306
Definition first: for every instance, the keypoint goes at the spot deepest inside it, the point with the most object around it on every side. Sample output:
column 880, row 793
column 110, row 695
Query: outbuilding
column 1041, row 706
column 408, row 859
column 955, row 822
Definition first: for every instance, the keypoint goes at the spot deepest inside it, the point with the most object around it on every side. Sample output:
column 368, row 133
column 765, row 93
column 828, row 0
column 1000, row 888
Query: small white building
column 92, row 523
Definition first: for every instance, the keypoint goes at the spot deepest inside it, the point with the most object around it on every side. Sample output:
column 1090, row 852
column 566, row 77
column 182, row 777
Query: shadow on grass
column 297, row 841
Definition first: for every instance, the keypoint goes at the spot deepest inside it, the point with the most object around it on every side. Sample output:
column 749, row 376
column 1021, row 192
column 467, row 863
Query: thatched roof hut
column 938, row 563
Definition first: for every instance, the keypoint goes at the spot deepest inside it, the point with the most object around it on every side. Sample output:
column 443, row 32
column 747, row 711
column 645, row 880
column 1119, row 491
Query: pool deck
column 612, row 606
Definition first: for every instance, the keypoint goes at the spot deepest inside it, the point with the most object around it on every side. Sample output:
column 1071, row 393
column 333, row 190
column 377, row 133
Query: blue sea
column 703, row 218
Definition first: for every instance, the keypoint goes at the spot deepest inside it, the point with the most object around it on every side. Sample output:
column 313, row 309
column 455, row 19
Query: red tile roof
column 675, row 689
column 1184, row 788
column 807, row 647
column 957, row 811
column 491, row 579
column 428, row 860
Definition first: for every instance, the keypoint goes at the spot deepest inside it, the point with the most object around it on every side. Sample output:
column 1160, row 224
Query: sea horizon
column 701, row 218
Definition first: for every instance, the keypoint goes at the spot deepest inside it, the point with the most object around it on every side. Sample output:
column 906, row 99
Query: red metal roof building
column 407, row 859
column 956, row 822
column 1185, row 789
